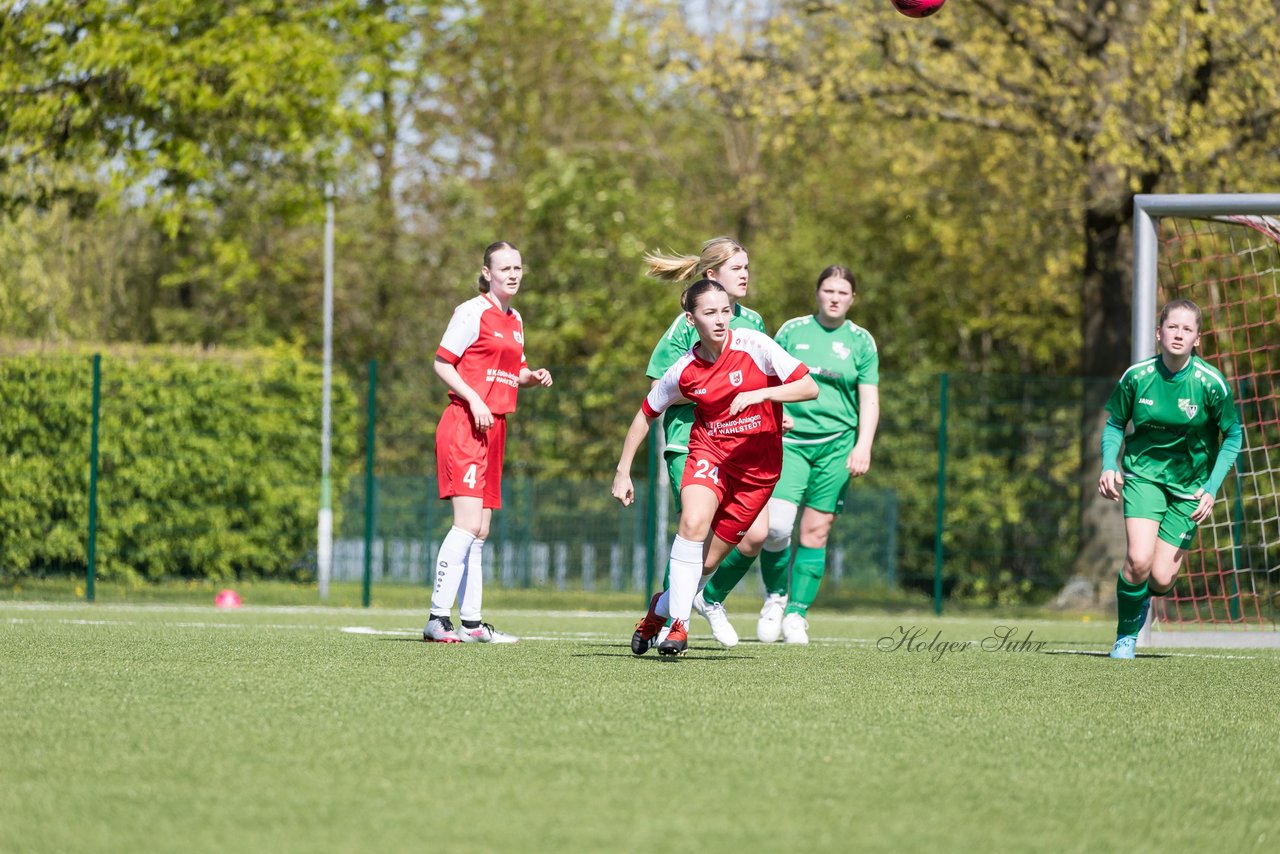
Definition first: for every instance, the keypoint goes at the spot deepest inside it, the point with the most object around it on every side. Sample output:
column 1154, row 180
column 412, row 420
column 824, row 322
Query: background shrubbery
column 209, row 464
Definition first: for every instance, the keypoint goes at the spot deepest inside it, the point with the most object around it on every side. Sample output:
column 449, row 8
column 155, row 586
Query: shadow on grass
column 662, row 659
column 1097, row 653
column 624, row 651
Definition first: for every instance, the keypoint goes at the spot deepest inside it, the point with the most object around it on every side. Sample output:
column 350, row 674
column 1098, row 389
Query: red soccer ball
column 918, row 8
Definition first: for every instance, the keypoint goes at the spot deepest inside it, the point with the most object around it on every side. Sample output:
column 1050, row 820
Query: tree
column 220, row 121
column 1073, row 105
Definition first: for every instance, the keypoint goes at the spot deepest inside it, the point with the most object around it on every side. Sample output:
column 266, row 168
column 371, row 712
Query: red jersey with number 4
column 486, row 345
column 748, row 444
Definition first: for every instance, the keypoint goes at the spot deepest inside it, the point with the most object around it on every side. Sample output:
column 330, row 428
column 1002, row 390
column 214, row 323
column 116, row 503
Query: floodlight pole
column 324, row 538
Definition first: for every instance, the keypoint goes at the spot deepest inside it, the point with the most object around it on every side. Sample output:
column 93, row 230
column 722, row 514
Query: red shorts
column 741, row 500
column 468, row 462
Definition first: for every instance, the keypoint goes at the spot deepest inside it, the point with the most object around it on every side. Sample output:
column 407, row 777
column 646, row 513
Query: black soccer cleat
column 648, row 627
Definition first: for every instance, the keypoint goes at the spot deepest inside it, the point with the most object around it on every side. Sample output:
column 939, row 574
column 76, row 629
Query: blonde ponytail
column 680, row 268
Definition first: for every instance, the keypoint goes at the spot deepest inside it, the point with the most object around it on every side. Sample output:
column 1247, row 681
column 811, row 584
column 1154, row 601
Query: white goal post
column 1251, row 210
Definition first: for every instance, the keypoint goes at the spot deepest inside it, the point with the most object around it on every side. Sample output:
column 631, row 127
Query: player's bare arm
column 541, row 377
column 859, row 461
column 802, row 389
column 480, row 413
column 636, row 435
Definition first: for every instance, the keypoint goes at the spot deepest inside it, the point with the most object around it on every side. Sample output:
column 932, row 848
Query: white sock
column 702, row 582
column 686, row 572
column 663, row 608
column 471, row 590
column 450, row 563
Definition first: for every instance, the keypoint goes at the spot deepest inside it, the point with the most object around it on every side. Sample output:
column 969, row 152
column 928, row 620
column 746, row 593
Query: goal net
column 1223, row 252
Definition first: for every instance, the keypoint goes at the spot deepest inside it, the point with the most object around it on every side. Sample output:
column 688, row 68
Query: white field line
column 548, row 637
column 323, row 610
column 67, row 621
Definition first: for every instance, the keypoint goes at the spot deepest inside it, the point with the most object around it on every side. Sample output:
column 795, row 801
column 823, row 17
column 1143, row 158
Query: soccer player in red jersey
column 724, row 260
column 737, row 381
column 481, row 360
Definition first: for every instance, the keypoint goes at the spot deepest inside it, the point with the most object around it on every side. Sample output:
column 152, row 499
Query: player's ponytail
column 680, row 268
column 481, row 281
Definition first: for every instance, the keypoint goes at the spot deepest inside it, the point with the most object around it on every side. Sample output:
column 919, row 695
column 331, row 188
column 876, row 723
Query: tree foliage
column 162, row 167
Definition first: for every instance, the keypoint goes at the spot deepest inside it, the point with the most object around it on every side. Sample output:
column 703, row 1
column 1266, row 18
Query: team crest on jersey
column 516, row 335
column 840, row 349
column 735, row 378
column 1188, row 408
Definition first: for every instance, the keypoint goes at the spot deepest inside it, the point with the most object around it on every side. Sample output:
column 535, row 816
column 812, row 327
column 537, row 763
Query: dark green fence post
column 525, row 483
column 370, row 484
column 90, row 569
column 942, row 493
column 651, row 513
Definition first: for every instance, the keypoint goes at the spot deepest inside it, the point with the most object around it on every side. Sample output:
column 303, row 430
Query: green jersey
column 677, row 422
column 839, row 360
column 1178, row 421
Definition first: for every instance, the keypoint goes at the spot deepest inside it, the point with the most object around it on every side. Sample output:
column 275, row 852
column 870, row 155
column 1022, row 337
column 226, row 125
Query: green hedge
column 209, row 464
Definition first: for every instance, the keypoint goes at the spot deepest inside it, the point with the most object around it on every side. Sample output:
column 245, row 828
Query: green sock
column 773, row 570
column 727, row 575
column 806, row 575
column 1129, row 599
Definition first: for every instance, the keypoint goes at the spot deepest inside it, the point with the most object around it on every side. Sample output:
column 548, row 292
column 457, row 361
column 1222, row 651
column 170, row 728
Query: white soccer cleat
column 721, row 629
column 795, row 629
column 439, row 630
column 484, row 633
column 769, row 627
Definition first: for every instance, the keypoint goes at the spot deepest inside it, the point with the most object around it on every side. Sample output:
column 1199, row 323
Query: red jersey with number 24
column 749, row 444
column 486, row 345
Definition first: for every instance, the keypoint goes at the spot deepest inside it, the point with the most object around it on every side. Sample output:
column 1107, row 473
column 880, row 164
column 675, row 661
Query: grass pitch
column 182, row 728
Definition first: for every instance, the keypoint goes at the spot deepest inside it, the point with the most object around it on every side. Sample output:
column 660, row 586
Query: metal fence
column 561, row 534
column 975, row 480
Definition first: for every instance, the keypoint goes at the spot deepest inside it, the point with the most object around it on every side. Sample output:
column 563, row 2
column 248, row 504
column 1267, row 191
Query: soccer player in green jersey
column 722, row 260
column 829, row 443
column 1185, row 438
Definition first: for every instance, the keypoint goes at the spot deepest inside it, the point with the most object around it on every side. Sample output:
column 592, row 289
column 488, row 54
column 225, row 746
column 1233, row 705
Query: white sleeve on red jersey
column 769, row 355
column 524, row 363
column 667, row 390
column 463, row 330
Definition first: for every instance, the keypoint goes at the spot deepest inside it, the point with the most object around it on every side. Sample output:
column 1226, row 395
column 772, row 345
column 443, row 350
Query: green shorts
column 1145, row 499
column 675, row 473
column 816, row 474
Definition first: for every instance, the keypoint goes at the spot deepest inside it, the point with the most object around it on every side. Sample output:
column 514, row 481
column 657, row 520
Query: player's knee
column 1161, row 580
column 694, row 526
column 1138, row 566
column 782, row 518
column 474, row 529
column 815, row 538
column 1136, row 571
column 753, row 542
